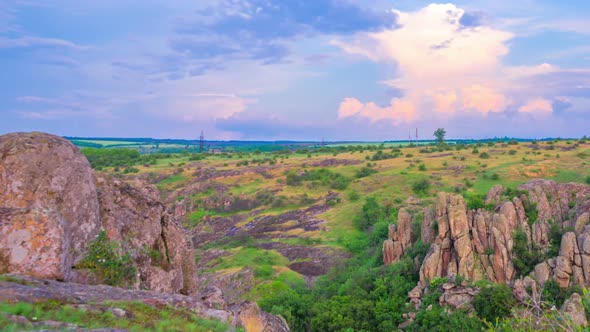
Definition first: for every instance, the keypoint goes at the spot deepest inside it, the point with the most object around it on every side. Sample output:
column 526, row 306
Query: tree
column 440, row 135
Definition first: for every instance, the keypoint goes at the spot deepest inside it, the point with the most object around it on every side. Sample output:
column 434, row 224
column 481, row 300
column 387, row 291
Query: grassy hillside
column 265, row 222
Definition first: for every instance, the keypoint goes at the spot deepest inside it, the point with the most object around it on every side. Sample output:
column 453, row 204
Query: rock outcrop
column 52, row 206
column 400, row 237
column 49, row 207
column 479, row 244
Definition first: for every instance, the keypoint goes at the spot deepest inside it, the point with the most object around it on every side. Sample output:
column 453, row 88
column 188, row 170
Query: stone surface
column 574, row 309
column 252, row 319
column 48, row 204
column 52, row 206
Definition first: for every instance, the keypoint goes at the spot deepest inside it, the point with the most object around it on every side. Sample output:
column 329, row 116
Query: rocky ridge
column 480, row 244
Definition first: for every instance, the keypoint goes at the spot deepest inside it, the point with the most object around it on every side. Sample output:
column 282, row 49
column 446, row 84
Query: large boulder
column 49, row 205
column 52, row 206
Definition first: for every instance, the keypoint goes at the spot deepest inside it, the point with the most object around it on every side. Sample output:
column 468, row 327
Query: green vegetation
column 494, row 302
column 322, row 176
column 440, row 134
column 364, row 172
column 108, row 261
column 421, row 187
column 142, row 317
column 364, row 184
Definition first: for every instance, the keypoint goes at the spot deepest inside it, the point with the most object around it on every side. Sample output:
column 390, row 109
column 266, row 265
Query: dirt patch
column 457, row 169
column 439, row 155
column 336, row 162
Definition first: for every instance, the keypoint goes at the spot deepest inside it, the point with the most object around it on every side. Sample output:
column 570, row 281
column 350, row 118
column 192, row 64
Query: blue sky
column 303, row 70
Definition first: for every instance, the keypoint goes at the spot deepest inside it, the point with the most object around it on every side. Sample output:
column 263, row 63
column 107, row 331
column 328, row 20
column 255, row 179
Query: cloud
column 450, row 62
column 36, row 42
column 538, row 105
column 471, row 19
column 398, row 111
column 262, row 29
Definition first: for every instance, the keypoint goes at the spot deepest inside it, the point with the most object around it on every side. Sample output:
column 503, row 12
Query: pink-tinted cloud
column 538, row 105
column 445, row 67
column 398, row 111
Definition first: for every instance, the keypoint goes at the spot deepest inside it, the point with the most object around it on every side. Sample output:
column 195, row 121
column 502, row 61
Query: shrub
column 588, row 179
column 484, row 155
column 422, row 167
column 107, row 260
column 364, row 172
column 524, row 260
column 475, row 202
column 530, row 210
column 421, row 187
column 512, row 152
column 372, row 213
column 495, row 177
column 494, row 302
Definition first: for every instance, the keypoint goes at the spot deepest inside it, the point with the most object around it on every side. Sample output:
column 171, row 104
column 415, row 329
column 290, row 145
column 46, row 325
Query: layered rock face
column 52, row 206
column 478, row 244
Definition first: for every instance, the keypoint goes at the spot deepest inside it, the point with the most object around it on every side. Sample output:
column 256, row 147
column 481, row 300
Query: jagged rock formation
column 52, row 206
column 400, row 237
column 479, row 244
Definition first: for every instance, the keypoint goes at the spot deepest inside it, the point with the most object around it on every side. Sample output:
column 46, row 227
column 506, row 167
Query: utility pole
column 416, row 136
column 202, row 142
column 409, row 137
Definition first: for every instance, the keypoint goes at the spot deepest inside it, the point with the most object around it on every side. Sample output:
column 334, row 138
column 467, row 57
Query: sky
column 295, row 69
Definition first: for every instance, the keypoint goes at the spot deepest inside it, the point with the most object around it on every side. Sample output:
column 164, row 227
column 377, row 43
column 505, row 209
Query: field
column 277, row 218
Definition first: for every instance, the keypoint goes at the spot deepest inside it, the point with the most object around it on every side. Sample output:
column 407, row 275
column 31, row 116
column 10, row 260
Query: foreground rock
column 52, row 206
column 210, row 305
column 48, row 205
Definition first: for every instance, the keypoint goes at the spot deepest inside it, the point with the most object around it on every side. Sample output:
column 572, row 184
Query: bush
column 438, row 319
column 422, row 167
column 530, row 210
column 588, row 179
column 524, row 260
column 353, row 196
column 107, row 260
column 484, row 155
column 512, row 152
column 495, row 177
column 421, row 187
column 364, row 172
column 475, row 202
column 494, row 302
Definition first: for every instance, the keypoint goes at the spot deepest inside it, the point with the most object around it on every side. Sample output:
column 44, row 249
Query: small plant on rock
column 108, row 261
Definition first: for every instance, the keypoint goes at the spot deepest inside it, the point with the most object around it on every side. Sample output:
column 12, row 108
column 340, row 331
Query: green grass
column 172, row 181
column 143, row 317
column 566, row 175
column 251, row 257
column 107, row 143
